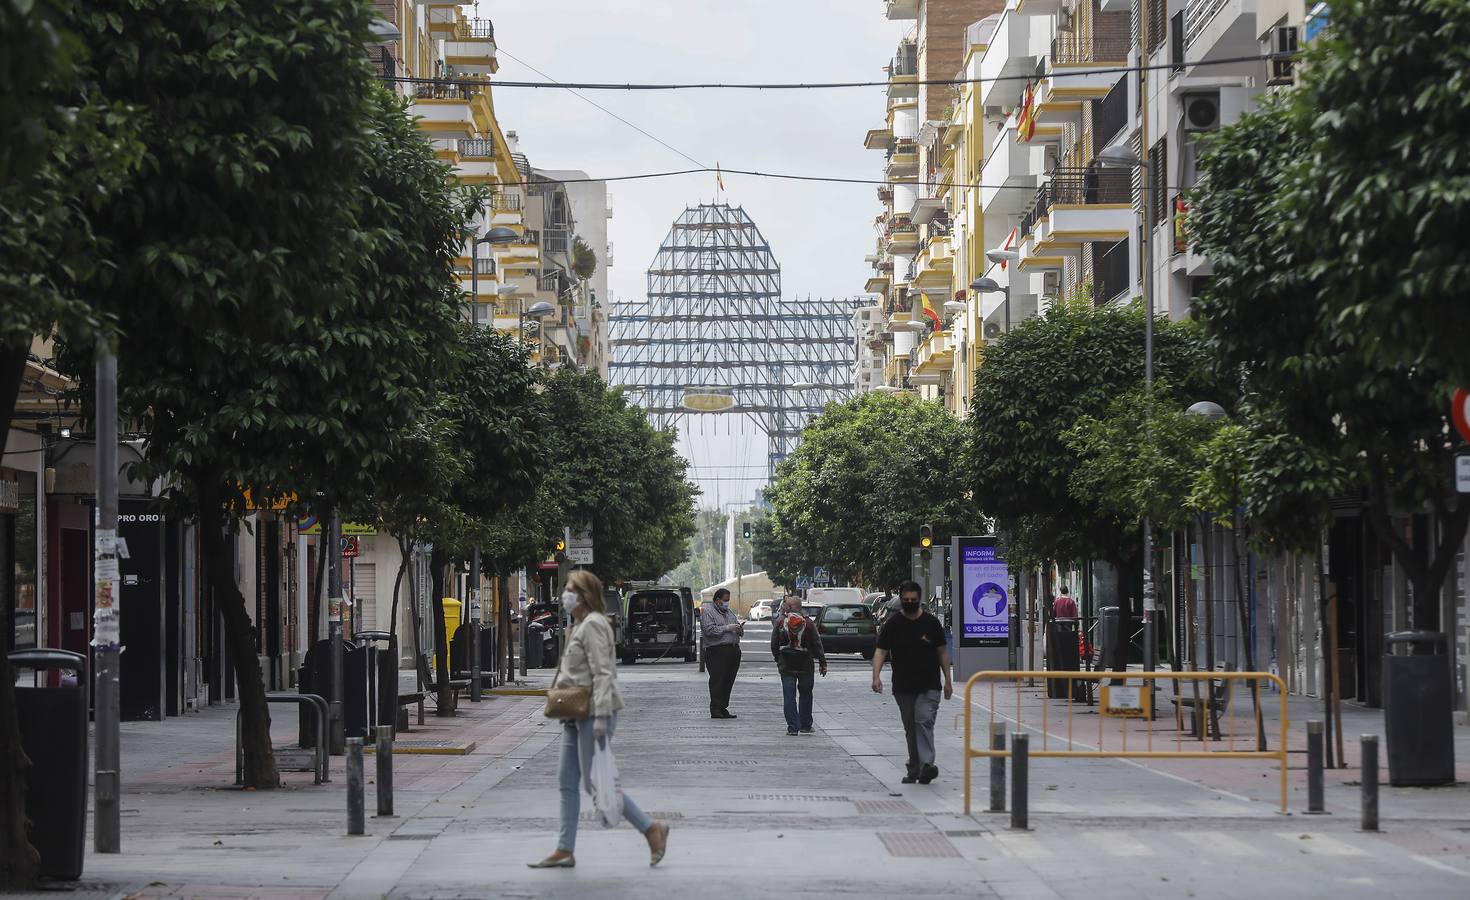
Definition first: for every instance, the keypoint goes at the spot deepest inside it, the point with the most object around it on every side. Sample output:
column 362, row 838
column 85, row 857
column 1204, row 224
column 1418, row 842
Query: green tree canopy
column 866, row 475
column 1325, row 241
column 1033, row 387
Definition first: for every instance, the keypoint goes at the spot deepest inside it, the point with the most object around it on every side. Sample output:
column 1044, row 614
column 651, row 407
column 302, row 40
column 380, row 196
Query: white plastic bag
column 607, row 794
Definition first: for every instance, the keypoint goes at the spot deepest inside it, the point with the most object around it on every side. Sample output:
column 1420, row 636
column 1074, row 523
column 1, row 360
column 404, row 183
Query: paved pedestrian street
column 755, row 812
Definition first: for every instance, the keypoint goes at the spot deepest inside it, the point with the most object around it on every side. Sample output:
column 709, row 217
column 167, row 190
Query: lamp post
column 1124, row 158
column 991, row 286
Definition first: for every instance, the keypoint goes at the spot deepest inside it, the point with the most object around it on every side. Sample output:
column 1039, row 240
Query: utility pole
column 107, row 611
column 336, row 725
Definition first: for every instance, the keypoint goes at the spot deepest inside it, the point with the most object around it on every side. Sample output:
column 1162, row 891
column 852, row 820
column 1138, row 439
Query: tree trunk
column 18, row 858
column 1246, row 639
column 1329, row 662
column 445, row 695
column 405, row 549
column 255, row 719
column 1204, row 544
column 314, row 612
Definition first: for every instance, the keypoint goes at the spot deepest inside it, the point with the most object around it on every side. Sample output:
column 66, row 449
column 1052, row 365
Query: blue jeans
column 791, row 687
column 574, row 772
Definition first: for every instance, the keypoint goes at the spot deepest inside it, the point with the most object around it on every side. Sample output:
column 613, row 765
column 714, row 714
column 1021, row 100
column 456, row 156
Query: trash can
column 1061, row 656
column 1418, row 696
column 52, row 713
column 316, row 678
column 382, row 662
column 453, row 610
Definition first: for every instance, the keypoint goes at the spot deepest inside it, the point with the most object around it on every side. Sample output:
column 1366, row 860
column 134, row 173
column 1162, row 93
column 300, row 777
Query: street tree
column 1034, row 385
column 866, row 475
column 238, row 282
column 1333, row 415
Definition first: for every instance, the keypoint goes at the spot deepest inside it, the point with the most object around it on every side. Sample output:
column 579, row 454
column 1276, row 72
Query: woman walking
column 588, row 661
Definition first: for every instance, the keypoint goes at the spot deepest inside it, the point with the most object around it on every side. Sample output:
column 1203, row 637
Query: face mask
column 570, row 600
column 909, row 606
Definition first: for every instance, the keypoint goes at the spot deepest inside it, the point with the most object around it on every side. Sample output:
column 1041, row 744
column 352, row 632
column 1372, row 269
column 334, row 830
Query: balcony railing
column 443, row 89
column 1197, row 14
column 1110, row 41
column 484, row 266
column 478, row 148
column 474, row 30
column 1110, row 115
column 384, row 65
column 556, row 240
column 905, row 62
column 904, row 146
column 1110, row 274
column 505, row 202
column 1082, row 187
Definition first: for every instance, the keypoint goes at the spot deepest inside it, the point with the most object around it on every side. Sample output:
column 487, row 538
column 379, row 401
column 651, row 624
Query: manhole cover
column 917, row 844
column 886, row 806
column 799, row 798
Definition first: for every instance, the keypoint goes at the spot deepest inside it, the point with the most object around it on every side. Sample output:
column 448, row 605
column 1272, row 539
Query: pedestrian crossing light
column 926, row 536
column 561, row 546
column 745, row 530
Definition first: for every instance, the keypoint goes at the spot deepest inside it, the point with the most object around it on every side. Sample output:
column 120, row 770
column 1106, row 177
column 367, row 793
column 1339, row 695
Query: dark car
column 659, row 623
column 848, row 628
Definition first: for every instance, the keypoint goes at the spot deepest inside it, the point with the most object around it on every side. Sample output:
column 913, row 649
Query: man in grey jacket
column 797, row 648
column 722, row 630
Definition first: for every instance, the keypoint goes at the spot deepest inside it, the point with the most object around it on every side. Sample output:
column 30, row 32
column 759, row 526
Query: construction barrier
column 1128, row 700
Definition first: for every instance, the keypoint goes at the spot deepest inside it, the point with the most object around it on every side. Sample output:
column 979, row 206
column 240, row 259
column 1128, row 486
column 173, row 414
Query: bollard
column 384, row 753
column 1020, row 757
column 354, row 786
column 997, row 768
column 1315, row 805
column 1370, row 782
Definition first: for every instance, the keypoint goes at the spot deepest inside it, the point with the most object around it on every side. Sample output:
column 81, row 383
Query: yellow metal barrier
column 1129, row 697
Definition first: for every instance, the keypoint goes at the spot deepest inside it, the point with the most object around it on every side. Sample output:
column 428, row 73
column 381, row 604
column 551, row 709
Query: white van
column 828, row 595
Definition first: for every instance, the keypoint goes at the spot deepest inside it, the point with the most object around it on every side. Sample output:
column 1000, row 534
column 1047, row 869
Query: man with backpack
column 797, row 649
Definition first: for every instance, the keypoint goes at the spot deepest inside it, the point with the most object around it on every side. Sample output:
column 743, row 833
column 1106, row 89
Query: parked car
column 848, row 628
column 660, row 623
column 828, row 595
column 762, row 610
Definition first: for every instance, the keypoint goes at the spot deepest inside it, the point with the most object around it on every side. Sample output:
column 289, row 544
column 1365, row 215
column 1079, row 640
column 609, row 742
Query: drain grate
column 661, row 816
column 901, row 807
column 714, row 763
column 964, row 834
column 412, row 837
column 799, row 798
column 917, row 844
column 429, row 747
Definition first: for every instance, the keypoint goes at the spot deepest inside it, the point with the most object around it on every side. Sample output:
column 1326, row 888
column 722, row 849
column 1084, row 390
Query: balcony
column 901, row 9
column 1075, row 206
column 470, row 47
column 1007, row 175
column 902, row 238
column 384, row 65
column 443, row 20
column 1107, row 46
column 903, row 73
column 1110, row 116
column 879, row 138
column 1012, row 53
column 903, row 159
column 1219, row 29
column 934, row 357
column 443, row 108
column 556, row 240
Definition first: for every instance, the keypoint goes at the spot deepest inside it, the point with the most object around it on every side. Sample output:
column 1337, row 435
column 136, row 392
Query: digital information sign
column 984, row 593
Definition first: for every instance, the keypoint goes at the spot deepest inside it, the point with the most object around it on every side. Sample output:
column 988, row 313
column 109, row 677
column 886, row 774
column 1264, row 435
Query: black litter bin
column 1112, row 639
column 53, row 728
column 316, row 678
column 1418, row 698
column 1062, row 656
column 535, row 648
column 382, row 659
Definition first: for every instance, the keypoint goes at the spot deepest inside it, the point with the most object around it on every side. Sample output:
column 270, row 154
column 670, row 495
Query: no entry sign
column 1460, row 413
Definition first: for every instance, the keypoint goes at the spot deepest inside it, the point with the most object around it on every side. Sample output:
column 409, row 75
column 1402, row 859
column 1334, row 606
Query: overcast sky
column 818, row 232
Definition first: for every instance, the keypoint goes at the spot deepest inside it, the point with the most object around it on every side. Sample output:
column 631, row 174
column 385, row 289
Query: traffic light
column 561, row 546
column 926, row 536
column 745, row 530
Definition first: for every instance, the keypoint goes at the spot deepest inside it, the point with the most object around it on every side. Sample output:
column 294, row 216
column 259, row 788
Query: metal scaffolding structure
column 714, row 323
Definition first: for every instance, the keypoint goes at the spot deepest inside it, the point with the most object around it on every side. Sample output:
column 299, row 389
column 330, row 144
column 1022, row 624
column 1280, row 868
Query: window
column 835, row 615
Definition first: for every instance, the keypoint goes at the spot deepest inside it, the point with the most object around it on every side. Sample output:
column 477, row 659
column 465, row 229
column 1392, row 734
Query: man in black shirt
column 915, row 640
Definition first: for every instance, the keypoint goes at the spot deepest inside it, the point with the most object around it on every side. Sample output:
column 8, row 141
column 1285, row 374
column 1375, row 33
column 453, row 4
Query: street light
column 1123, row 157
column 1208, row 410
column 985, row 285
column 497, row 235
column 1002, row 256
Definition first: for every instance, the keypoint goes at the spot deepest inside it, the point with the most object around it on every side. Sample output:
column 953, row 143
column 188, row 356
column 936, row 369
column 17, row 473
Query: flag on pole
column 1026, row 124
column 718, row 179
column 928, row 310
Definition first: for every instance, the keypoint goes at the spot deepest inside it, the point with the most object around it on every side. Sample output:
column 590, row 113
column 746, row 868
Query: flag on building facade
column 928, row 310
column 1026, row 124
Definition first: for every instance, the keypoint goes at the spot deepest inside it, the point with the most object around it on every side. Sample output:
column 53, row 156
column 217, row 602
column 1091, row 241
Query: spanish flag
column 719, row 180
column 928, row 310
column 1026, row 124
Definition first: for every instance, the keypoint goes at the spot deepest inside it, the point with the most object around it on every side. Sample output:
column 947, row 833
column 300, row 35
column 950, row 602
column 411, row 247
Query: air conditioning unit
column 1201, row 112
column 1283, row 47
column 1051, row 283
column 992, row 330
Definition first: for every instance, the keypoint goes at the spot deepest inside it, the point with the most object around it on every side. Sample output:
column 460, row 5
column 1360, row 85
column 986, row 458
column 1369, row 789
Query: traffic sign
column 803, row 583
column 1460, row 413
column 580, row 555
column 1462, row 473
column 821, row 573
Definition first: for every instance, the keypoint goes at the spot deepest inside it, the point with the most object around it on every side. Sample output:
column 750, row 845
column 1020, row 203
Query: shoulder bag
column 567, row 703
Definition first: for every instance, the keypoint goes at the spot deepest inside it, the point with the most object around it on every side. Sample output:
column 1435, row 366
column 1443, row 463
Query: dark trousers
column 798, row 714
column 918, row 712
column 722, row 662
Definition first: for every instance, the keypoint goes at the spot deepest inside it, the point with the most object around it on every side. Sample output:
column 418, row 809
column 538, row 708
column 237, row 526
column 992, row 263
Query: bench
column 431, row 687
column 1215, row 702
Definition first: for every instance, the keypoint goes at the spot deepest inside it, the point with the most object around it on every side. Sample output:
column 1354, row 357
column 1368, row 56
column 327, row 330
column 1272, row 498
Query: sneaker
column 928, row 773
column 791, row 732
column 806, row 731
column 908, row 779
